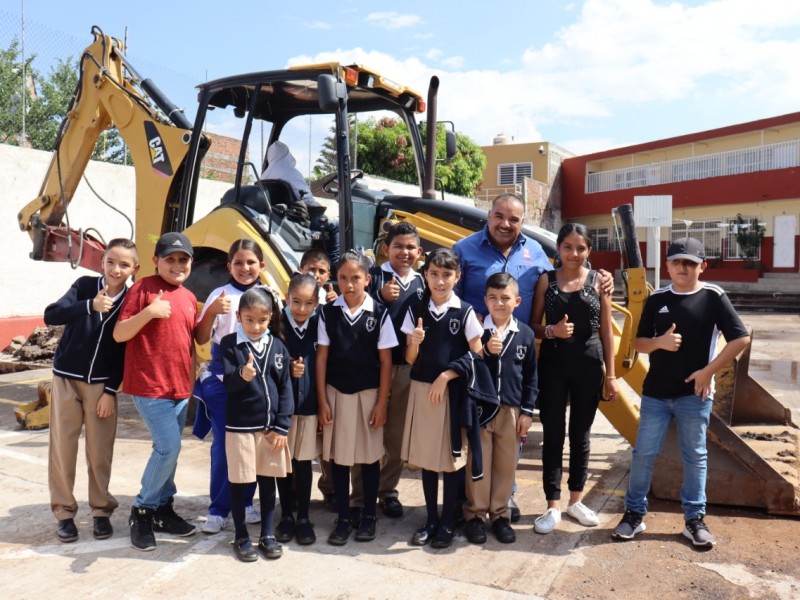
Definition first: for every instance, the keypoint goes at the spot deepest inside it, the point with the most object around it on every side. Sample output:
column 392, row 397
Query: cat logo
column 521, row 352
column 158, row 154
column 279, row 361
column 420, row 292
column 455, row 326
column 371, row 322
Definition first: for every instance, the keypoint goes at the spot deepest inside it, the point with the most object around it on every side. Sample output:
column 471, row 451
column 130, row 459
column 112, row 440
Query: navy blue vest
column 305, row 347
column 444, row 340
column 409, row 296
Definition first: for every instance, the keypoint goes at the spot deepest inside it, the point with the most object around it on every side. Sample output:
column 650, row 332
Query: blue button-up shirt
column 480, row 259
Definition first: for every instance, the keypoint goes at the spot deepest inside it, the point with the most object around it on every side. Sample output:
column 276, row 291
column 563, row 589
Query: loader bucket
column 753, row 448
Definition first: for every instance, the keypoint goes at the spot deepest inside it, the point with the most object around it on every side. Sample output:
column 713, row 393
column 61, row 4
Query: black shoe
column 330, row 502
column 67, row 532
column 503, row 532
column 304, row 532
column 244, row 551
column 366, row 528
column 442, row 538
column 475, row 531
column 515, row 514
column 270, row 547
column 284, row 532
column 102, row 529
column 141, row 524
column 340, row 535
column 423, row 535
column 392, row 507
column 166, row 520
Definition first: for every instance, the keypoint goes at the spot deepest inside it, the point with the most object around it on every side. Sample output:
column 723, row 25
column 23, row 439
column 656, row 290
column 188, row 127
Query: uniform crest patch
column 371, row 322
column 455, row 326
column 279, row 361
column 420, row 292
column 521, row 352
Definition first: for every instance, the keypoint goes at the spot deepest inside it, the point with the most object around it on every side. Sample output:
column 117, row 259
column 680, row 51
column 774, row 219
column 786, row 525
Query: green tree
column 11, row 93
column 749, row 234
column 49, row 108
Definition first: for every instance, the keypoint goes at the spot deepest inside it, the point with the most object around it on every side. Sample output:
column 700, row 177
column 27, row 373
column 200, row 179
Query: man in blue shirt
column 501, row 247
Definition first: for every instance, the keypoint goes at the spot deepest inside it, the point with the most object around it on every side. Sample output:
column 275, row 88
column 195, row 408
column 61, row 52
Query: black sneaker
column 392, row 507
column 244, row 551
column 697, row 531
column 516, row 515
column 443, row 537
column 366, row 529
column 166, row 520
column 423, row 535
column 503, row 531
column 101, row 529
column 304, row 532
column 270, row 547
column 475, row 531
column 340, row 535
column 284, row 532
column 141, row 524
column 629, row 526
column 67, row 532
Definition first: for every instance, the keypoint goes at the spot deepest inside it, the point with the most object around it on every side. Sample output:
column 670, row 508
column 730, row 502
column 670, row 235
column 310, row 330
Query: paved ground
column 756, row 556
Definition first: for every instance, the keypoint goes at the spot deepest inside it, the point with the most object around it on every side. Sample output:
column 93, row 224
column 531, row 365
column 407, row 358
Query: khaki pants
column 500, row 446
column 73, row 407
column 391, row 464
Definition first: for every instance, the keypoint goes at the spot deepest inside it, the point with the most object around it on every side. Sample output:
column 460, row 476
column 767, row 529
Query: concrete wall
column 29, row 286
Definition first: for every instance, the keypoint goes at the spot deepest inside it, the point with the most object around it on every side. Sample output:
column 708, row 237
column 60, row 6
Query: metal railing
column 489, row 194
column 782, row 155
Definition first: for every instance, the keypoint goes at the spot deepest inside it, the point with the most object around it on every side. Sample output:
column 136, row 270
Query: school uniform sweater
column 444, row 334
column 87, row 350
column 301, row 342
column 411, row 292
column 265, row 403
column 514, row 369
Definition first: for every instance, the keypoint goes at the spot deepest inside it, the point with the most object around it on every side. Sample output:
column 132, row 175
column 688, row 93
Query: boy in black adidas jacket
column 87, row 371
column 510, row 353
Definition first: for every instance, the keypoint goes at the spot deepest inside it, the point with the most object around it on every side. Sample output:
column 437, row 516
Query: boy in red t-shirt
column 157, row 321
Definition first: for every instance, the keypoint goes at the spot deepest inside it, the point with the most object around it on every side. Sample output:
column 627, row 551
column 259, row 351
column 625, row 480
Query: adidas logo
column 177, row 243
column 663, row 309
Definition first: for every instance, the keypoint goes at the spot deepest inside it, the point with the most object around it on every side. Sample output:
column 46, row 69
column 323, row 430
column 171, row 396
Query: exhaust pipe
column 429, row 179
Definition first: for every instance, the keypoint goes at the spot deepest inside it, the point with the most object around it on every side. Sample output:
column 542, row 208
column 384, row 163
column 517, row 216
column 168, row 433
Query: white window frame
column 604, row 239
column 709, row 232
column 518, row 172
column 732, row 250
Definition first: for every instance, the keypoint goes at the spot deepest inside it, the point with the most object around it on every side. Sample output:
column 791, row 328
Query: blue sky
column 586, row 75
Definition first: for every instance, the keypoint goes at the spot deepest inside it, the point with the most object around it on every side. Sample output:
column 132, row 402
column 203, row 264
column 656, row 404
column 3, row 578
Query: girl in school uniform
column 300, row 322
column 258, row 416
column 354, row 375
column 576, row 362
column 218, row 319
column 440, row 329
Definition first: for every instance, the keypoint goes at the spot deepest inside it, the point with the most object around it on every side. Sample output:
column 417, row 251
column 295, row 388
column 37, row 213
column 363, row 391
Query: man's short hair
column 509, row 196
column 401, row 228
column 314, row 255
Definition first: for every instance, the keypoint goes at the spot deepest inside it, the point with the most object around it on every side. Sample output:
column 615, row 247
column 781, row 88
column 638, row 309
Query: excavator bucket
column 36, row 414
column 753, row 445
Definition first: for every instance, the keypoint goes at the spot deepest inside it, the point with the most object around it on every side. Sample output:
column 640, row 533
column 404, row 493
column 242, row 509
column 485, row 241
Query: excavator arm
column 110, row 93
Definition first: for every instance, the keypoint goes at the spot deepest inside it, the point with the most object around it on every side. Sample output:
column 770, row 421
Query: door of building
column 783, row 249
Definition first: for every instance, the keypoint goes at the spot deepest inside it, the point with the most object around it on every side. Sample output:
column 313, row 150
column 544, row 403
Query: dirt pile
column 39, row 347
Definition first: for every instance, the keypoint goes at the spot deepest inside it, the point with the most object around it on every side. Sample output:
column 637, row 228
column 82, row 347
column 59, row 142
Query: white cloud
column 393, row 20
column 319, row 25
column 433, row 53
column 455, row 62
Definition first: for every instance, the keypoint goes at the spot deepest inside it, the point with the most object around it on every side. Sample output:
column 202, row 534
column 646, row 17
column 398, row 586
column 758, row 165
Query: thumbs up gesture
column 330, row 295
column 222, row 304
column 102, row 303
column 564, row 328
column 391, row 291
column 298, row 368
column 671, row 341
column 248, row 371
column 160, row 308
column 418, row 336
column 495, row 343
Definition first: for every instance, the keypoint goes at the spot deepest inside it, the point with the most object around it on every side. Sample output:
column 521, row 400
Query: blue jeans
column 691, row 415
column 165, row 420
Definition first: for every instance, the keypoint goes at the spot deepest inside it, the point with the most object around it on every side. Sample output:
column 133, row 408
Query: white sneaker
column 583, row 514
column 548, row 521
column 213, row 524
column 251, row 515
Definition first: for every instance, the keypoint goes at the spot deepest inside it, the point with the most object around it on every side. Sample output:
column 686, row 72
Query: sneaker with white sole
column 629, row 526
column 583, row 514
column 697, row 531
column 213, row 524
column 548, row 521
column 251, row 515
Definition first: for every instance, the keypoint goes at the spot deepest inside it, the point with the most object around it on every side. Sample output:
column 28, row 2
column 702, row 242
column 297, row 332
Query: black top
column 303, row 344
column 699, row 317
column 444, row 342
column 87, row 350
column 265, row 402
column 514, row 369
column 410, row 293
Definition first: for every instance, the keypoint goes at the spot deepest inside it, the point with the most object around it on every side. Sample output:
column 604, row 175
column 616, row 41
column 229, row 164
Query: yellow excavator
column 174, row 158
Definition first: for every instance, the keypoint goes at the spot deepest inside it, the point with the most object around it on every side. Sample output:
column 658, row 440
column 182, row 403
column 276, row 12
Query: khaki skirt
column 250, row 454
column 426, row 437
column 349, row 440
column 305, row 443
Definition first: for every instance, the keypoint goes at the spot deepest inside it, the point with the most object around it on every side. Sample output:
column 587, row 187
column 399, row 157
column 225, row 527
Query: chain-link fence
column 33, row 64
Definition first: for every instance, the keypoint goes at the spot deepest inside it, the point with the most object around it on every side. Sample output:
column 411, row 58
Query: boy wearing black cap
column 157, row 320
column 679, row 328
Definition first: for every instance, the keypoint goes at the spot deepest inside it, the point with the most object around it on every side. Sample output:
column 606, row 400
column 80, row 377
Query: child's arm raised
column 69, row 307
column 157, row 309
column 413, row 341
column 221, row 305
column 669, row 341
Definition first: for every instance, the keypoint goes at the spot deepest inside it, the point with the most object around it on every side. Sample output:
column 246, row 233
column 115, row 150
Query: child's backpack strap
column 552, row 281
